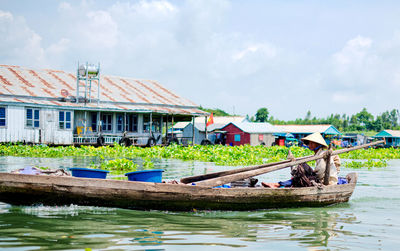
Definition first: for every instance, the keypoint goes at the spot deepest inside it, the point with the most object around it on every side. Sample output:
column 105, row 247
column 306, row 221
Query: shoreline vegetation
column 220, row 155
column 362, row 122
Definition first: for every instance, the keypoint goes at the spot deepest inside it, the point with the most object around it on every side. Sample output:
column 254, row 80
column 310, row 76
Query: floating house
column 61, row 108
column 392, row 137
column 301, row 131
column 353, row 139
column 185, row 130
column 250, row 133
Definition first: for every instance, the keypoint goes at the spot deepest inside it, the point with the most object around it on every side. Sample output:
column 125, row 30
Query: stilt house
column 61, row 108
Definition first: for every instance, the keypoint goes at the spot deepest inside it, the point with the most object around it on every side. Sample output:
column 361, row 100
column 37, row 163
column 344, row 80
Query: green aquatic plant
column 366, row 164
column 117, row 165
column 244, row 155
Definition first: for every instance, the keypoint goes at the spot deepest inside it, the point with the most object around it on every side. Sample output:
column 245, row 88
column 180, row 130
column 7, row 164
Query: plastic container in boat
column 89, row 173
column 154, row 175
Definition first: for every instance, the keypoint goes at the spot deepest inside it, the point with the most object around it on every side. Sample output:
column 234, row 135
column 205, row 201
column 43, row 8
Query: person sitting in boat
column 316, row 143
column 303, row 175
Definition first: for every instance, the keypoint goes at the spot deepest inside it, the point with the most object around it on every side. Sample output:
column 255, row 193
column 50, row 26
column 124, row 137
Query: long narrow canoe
column 21, row 189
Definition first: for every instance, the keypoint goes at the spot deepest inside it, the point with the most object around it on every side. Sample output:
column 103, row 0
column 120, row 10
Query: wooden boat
column 21, row 189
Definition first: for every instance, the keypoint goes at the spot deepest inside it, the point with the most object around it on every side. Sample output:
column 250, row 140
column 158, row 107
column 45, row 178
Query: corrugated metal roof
column 43, row 87
column 199, row 126
column 181, row 125
column 304, row 128
column 257, row 127
column 219, row 122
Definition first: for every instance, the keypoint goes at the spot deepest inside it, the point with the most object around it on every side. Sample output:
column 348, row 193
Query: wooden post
column 151, row 123
column 98, row 124
column 193, row 137
column 172, row 128
column 166, row 130
column 205, row 124
column 124, row 127
column 327, row 165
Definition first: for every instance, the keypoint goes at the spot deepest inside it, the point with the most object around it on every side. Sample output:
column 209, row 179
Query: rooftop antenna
column 88, row 73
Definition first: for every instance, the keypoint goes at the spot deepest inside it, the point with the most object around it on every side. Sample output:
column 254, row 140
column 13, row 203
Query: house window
column 237, row 137
column 32, row 118
column 64, row 119
column 131, row 123
column 2, row 116
column 146, row 123
column 106, row 120
column 120, row 122
column 94, row 121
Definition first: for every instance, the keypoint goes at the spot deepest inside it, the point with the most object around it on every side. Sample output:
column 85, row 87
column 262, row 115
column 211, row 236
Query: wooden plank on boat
column 247, row 174
column 196, row 178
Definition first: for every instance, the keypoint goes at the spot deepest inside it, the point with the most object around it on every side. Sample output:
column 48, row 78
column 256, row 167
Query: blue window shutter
column 36, row 123
column 68, row 125
column 2, row 112
column 29, row 113
column 36, row 114
column 67, row 116
column 237, row 137
column 61, row 116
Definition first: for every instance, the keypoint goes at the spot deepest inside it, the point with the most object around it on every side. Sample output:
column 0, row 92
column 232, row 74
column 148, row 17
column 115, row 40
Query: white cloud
column 100, row 30
column 5, row 16
column 19, row 43
column 265, row 49
column 354, row 52
column 194, row 48
column 64, row 6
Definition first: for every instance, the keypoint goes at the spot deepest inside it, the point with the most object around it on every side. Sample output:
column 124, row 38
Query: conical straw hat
column 315, row 137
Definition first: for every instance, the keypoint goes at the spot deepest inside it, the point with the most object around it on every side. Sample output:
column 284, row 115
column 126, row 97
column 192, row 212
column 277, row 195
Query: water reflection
column 101, row 228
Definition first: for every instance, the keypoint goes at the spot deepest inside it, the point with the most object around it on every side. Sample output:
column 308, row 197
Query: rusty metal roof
column 43, row 88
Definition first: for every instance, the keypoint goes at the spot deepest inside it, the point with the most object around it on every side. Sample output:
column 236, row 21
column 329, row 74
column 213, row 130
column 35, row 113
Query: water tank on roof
column 92, row 70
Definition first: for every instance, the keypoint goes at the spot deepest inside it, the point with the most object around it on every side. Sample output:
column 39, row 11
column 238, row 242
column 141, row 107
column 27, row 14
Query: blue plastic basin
column 89, row 173
column 154, row 175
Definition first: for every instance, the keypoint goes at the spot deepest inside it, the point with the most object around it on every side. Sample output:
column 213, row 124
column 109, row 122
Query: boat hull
column 20, row 189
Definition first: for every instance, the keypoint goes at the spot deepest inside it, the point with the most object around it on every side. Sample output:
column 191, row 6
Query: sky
column 238, row 56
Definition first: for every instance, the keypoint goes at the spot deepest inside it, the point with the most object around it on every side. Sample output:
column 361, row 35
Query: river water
column 370, row 221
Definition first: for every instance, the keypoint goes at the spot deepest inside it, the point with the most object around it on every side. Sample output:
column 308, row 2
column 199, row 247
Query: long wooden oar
column 196, row 178
column 247, row 174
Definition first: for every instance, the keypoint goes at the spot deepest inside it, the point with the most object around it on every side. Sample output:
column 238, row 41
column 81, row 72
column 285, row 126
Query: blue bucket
column 154, row 175
column 88, row 173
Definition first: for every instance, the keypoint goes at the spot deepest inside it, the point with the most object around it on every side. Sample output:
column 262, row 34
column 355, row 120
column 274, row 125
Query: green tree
column 378, row 124
column 216, row 112
column 308, row 116
column 262, row 115
column 394, row 119
column 365, row 119
column 385, row 120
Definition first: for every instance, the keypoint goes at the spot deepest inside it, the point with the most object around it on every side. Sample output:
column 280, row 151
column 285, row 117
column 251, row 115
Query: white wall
column 268, row 139
column 48, row 132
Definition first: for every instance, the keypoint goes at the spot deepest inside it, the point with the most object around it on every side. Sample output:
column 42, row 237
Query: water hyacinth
column 221, row 155
column 117, row 165
column 365, row 164
column 244, row 155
